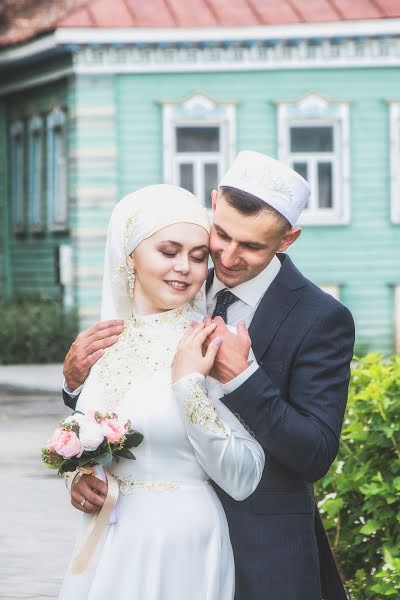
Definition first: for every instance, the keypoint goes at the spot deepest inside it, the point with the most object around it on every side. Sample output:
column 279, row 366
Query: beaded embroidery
column 143, row 349
column 201, row 411
column 128, row 485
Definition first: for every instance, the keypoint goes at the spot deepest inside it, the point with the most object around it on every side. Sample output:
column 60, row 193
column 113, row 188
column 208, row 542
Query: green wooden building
column 103, row 98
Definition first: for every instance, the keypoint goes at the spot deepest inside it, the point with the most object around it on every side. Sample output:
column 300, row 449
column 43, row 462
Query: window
column 313, row 140
column 198, row 144
column 35, row 173
column 395, row 160
column 56, row 170
column 17, row 150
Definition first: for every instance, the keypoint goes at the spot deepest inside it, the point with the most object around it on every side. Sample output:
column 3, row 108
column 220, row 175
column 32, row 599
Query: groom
column 292, row 398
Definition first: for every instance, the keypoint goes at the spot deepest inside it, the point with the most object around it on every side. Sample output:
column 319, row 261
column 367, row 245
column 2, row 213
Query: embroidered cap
column 270, row 180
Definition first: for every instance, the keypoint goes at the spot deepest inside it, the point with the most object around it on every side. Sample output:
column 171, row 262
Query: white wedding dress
column 171, row 538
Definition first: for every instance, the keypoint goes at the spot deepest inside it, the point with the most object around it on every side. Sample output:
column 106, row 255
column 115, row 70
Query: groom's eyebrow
column 254, row 245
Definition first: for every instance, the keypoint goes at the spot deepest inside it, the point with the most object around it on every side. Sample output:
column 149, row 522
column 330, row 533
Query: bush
column 360, row 496
column 35, row 331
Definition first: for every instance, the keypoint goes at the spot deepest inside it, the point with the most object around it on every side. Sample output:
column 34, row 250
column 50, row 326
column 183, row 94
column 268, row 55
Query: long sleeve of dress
column 231, row 457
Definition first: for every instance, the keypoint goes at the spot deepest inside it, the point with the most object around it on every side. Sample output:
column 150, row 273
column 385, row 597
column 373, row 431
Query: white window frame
column 331, row 288
column 35, row 173
column 316, row 111
column 17, row 175
column 57, row 196
column 198, row 111
column 395, row 161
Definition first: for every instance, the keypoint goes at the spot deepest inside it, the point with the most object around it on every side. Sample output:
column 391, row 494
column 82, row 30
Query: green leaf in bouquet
column 51, row 460
column 104, row 459
column 133, row 439
column 125, row 453
column 68, row 466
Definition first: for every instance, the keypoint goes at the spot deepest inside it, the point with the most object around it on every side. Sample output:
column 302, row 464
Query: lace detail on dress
column 201, row 411
column 128, row 485
column 144, row 348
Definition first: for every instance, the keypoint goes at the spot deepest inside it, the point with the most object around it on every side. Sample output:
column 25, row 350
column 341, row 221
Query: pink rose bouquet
column 90, row 439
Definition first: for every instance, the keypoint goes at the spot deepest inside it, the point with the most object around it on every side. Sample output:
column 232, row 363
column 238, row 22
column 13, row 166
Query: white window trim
column 331, row 288
column 35, row 184
column 313, row 111
column 395, row 161
column 199, row 110
column 17, row 132
column 57, row 199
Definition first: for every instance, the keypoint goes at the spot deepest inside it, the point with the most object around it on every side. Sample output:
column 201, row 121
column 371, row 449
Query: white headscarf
column 135, row 218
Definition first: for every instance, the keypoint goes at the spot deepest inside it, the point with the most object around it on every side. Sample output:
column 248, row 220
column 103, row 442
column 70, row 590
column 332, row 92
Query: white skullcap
column 135, row 218
column 270, row 180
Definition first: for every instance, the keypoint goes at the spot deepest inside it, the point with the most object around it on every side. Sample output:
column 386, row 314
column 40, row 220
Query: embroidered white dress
column 171, row 538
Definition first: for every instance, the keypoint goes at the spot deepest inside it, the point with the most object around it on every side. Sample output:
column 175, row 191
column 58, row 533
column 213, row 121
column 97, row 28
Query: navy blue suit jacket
column 303, row 341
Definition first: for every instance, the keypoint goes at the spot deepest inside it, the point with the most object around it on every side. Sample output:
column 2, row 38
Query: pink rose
column 68, row 444
column 112, row 430
column 51, row 444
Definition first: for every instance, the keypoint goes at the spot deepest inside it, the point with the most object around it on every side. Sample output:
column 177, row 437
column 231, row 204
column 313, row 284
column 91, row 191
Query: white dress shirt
column 250, row 294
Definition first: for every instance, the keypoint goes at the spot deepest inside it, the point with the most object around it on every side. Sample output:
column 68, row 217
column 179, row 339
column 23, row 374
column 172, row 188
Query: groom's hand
column 88, row 347
column 232, row 357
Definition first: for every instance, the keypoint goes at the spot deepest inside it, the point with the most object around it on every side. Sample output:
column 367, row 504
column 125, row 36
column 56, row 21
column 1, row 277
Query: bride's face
column 170, row 267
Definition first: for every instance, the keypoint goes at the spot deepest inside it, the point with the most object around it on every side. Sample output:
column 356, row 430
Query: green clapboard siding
column 363, row 257
column 115, row 146
column 33, row 256
column 93, row 184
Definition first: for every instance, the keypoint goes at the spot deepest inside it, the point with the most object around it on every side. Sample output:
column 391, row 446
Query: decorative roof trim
column 232, row 35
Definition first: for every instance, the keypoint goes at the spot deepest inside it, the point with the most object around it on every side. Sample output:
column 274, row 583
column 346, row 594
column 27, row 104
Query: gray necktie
column 224, row 299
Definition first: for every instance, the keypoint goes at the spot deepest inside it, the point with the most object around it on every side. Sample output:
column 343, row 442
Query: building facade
column 89, row 114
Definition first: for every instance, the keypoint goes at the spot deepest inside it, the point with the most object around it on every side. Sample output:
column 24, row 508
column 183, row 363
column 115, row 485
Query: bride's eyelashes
column 198, row 259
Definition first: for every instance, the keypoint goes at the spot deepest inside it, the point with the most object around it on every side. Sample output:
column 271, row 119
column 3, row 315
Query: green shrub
column 35, row 331
column 360, row 496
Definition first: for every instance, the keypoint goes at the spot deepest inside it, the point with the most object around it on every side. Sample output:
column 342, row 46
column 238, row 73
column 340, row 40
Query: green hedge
column 35, row 331
column 360, row 496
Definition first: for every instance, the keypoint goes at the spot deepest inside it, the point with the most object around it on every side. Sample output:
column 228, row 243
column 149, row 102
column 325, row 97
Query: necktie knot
column 224, row 300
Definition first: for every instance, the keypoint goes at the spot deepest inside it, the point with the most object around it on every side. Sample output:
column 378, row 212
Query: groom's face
column 241, row 246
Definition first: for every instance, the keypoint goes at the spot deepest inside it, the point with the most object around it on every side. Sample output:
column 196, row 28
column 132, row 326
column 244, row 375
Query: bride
column 171, row 538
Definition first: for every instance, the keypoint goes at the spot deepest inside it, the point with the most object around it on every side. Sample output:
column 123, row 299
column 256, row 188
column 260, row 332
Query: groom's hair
column 250, row 205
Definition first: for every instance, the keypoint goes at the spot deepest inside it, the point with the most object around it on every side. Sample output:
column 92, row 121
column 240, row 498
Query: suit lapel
column 282, row 295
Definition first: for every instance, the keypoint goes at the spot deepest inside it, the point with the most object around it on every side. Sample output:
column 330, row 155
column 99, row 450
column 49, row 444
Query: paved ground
column 37, row 523
column 31, row 378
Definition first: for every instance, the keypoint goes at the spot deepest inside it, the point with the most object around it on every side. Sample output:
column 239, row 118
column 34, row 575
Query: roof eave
column 66, row 39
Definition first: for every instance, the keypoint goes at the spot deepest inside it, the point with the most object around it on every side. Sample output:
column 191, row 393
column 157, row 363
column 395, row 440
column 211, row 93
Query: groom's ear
column 214, row 197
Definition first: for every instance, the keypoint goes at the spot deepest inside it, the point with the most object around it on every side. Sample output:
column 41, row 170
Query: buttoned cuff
column 233, row 384
column 72, row 393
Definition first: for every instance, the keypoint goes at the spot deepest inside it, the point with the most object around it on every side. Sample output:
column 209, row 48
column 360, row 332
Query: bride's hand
column 189, row 357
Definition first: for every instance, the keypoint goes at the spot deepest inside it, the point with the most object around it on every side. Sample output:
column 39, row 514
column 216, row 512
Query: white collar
column 250, row 292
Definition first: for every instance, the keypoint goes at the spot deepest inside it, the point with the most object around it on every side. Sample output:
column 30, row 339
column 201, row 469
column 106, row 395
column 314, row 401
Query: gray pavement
column 31, row 378
column 37, row 522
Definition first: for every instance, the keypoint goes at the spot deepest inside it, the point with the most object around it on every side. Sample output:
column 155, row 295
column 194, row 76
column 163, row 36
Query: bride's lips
column 177, row 286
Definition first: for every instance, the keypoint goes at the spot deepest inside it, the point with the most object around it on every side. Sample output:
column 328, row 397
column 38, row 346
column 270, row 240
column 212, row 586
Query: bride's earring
column 131, row 280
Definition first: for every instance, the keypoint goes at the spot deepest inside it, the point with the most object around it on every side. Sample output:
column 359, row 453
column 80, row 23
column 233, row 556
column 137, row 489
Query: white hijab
column 135, row 218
